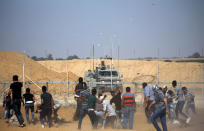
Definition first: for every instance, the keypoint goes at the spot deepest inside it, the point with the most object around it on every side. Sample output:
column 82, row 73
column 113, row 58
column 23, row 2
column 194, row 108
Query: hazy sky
column 67, row 27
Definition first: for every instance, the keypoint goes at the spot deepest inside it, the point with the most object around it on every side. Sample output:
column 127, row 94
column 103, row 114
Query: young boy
column 29, row 104
column 7, row 103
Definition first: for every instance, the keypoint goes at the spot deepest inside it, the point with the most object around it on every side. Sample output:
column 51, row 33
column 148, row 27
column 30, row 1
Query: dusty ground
column 132, row 70
column 197, row 123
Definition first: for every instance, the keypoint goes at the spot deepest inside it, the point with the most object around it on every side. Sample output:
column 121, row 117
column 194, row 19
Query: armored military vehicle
column 103, row 78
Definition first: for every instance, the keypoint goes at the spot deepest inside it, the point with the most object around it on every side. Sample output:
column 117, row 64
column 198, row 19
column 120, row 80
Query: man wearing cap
column 148, row 98
column 165, row 90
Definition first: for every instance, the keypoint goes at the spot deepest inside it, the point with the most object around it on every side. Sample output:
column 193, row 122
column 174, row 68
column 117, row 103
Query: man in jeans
column 8, row 106
column 148, row 98
column 47, row 106
column 88, row 106
column 15, row 88
column 79, row 87
column 29, row 104
column 189, row 98
column 180, row 97
column 161, row 109
column 129, row 106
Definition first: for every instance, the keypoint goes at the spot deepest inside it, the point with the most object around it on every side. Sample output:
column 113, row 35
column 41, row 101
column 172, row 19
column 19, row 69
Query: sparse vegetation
column 167, row 60
column 195, row 55
column 199, row 61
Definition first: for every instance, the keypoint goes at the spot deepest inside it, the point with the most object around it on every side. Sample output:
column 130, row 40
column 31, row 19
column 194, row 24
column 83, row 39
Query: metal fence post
column 67, row 82
column 202, row 73
column 47, row 85
column 135, row 89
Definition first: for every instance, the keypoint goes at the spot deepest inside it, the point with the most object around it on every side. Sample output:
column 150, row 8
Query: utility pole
column 24, row 71
column 158, row 53
column 93, row 56
column 111, row 66
column 118, row 56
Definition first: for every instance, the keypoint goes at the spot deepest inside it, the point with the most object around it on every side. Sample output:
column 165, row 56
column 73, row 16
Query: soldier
column 79, row 87
column 181, row 102
column 148, row 98
column 161, row 109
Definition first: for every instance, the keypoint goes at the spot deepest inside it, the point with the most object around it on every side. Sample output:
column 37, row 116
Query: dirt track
column 196, row 124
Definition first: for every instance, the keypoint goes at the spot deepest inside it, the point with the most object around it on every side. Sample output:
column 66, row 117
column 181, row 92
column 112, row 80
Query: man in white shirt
column 111, row 114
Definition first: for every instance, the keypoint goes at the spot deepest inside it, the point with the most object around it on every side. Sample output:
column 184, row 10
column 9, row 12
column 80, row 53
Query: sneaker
column 22, row 125
column 176, row 122
column 43, row 126
column 188, row 120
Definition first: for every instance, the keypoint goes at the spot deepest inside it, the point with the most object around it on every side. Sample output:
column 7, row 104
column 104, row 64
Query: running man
column 29, row 104
column 148, row 98
column 161, row 109
column 47, row 106
column 180, row 97
column 15, row 88
column 189, row 98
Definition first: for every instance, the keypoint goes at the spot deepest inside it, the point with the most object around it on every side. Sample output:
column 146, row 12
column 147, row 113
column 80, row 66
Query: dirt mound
column 135, row 70
column 12, row 63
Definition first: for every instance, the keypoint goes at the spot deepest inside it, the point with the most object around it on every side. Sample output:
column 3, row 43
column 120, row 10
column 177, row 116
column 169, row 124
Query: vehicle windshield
column 108, row 73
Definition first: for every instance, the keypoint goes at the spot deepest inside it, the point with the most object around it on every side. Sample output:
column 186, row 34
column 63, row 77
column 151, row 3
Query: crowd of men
column 158, row 103
column 101, row 111
column 13, row 100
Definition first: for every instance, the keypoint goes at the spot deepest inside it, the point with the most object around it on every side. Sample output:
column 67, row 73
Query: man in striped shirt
column 129, row 106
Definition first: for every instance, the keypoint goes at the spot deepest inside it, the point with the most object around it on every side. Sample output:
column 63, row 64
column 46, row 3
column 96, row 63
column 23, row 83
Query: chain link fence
column 64, row 92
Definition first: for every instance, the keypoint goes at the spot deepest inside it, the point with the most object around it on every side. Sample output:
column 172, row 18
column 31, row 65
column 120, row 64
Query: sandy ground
column 12, row 63
column 196, row 124
column 132, row 70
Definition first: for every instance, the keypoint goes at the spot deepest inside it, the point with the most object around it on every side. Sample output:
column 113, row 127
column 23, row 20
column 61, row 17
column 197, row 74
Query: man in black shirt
column 79, row 87
column 29, row 104
column 15, row 88
column 116, row 99
column 47, row 106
